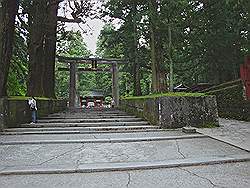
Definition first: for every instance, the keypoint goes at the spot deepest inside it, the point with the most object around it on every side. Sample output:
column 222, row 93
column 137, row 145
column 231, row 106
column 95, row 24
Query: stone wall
column 231, row 100
column 13, row 112
column 174, row 112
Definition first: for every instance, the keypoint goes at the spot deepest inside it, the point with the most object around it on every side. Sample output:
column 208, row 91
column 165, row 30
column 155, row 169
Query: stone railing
column 15, row 111
column 174, row 111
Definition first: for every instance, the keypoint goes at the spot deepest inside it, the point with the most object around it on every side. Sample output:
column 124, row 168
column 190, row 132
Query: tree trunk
column 136, row 66
column 8, row 11
column 156, row 47
column 36, row 48
column 171, row 72
column 50, row 51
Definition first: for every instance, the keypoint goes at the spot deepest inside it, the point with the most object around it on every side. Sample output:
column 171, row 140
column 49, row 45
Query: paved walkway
column 114, row 149
column 231, row 131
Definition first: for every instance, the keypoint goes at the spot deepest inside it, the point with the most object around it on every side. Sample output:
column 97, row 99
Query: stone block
column 175, row 111
column 3, row 112
column 189, row 130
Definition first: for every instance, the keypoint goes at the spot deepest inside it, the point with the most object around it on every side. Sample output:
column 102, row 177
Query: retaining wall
column 231, row 99
column 13, row 112
column 175, row 112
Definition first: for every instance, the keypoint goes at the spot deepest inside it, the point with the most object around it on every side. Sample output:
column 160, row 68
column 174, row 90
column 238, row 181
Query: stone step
column 86, row 113
column 101, row 128
column 87, row 116
column 103, row 135
column 89, row 113
column 107, row 167
column 74, row 132
column 104, row 140
column 88, row 120
column 94, row 124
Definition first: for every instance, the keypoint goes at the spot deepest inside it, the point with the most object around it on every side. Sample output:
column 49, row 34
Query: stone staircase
column 94, row 141
column 85, row 123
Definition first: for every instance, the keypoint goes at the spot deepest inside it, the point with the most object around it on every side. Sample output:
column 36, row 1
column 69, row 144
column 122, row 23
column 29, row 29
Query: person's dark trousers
column 33, row 114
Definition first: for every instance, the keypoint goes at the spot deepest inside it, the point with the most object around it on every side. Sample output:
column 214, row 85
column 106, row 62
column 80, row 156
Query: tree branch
column 64, row 19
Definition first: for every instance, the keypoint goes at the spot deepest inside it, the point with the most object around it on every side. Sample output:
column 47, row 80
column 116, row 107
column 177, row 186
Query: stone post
column 72, row 85
column 115, row 87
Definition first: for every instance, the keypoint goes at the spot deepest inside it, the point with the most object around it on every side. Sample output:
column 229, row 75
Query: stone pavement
column 231, row 131
column 113, row 149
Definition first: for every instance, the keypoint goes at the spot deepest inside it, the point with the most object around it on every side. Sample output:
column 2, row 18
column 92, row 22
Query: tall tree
column 136, row 65
column 37, row 18
column 50, row 50
column 42, row 42
column 8, row 11
column 128, row 34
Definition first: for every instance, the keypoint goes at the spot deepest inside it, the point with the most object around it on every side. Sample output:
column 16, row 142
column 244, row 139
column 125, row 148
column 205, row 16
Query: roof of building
column 181, row 86
column 94, row 94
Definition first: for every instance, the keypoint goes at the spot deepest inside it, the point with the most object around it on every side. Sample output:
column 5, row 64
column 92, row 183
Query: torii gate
column 93, row 61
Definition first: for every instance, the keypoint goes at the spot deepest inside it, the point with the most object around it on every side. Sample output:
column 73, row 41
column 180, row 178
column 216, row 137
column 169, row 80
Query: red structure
column 93, row 100
column 245, row 75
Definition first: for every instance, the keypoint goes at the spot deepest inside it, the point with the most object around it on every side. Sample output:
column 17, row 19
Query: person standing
column 33, row 108
column 112, row 103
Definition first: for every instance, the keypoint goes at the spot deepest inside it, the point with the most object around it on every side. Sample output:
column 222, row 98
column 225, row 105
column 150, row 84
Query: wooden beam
column 86, row 60
column 63, row 69
column 86, row 69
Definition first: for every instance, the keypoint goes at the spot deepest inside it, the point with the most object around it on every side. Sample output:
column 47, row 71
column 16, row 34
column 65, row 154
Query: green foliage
column 209, row 39
column 209, row 42
column 109, row 44
column 18, row 71
column 71, row 44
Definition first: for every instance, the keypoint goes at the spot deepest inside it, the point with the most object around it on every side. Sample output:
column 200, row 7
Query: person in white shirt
column 33, row 108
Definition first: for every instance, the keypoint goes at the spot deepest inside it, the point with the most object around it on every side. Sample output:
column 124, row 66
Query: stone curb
column 107, row 167
column 81, row 132
column 114, row 140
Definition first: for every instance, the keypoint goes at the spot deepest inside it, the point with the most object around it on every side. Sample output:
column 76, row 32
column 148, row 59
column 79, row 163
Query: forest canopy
column 166, row 43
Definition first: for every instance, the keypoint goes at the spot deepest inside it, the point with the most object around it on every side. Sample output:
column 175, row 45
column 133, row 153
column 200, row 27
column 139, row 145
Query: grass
column 169, row 94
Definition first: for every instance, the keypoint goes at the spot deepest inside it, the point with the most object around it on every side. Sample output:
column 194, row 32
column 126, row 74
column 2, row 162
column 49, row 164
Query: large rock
column 175, row 111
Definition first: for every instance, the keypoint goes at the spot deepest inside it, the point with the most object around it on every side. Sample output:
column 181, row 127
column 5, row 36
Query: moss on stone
column 208, row 125
column 169, row 94
column 20, row 98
